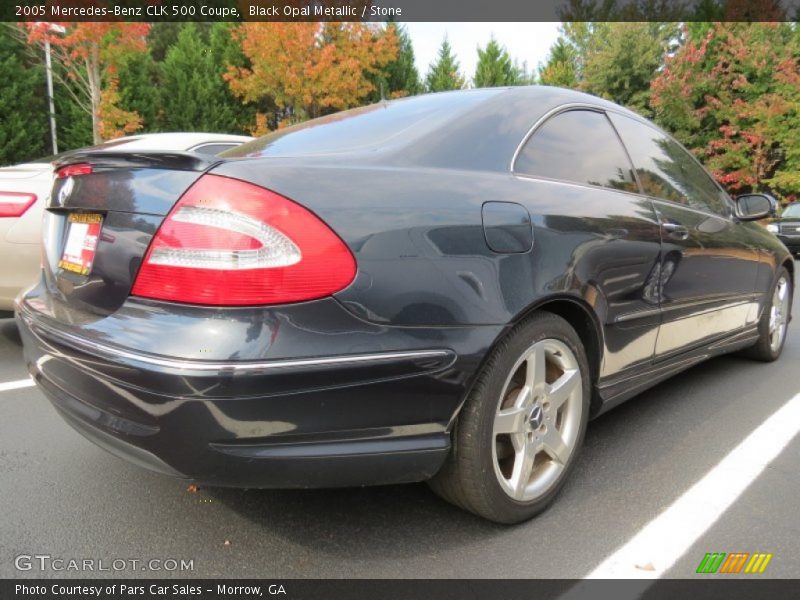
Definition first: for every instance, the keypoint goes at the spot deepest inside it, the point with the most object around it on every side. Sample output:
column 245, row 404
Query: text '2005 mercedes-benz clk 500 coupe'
column 444, row 288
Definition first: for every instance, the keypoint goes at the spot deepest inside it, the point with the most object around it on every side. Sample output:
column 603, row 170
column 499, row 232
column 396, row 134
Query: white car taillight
column 234, row 233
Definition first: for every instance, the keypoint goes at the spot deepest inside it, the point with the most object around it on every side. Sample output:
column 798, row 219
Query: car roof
column 489, row 135
column 464, row 129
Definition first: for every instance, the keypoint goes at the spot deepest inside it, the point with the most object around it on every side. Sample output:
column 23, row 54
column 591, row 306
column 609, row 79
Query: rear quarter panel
column 423, row 260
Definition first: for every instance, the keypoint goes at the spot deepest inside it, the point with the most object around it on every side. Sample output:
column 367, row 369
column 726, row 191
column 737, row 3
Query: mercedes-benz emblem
column 536, row 416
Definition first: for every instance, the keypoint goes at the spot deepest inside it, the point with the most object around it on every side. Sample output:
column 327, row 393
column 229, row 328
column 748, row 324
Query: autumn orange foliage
column 309, row 68
column 91, row 52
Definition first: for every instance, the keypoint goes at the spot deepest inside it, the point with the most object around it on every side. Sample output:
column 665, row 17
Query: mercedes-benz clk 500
column 444, row 288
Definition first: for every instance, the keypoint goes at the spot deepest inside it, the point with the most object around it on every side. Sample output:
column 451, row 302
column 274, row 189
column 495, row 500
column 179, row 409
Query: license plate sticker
column 83, row 233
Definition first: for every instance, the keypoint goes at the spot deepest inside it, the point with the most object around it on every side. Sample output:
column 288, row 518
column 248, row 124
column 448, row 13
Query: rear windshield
column 366, row 127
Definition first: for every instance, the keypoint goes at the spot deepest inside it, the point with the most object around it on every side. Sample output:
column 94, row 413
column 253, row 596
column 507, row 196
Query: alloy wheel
column 537, row 422
column 779, row 314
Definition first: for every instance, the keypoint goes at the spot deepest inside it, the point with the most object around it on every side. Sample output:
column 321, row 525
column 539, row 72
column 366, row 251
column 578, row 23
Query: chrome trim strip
column 729, row 301
column 112, row 352
column 705, row 213
column 553, row 180
column 637, row 314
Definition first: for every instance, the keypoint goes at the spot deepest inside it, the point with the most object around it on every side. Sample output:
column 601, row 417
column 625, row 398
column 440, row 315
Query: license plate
column 83, row 232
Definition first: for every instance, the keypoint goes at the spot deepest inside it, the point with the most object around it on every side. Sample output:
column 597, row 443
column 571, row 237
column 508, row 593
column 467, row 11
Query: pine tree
column 561, row 68
column 444, row 74
column 23, row 110
column 163, row 35
column 193, row 94
column 495, row 67
column 624, row 60
column 139, row 89
column 400, row 77
column 73, row 123
column 226, row 53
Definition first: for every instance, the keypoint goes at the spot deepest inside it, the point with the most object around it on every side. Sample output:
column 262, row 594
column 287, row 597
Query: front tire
column 522, row 425
column 774, row 321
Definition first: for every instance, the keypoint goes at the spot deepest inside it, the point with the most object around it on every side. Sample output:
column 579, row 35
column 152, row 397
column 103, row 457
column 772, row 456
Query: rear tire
column 522, row 425
column 774, row 321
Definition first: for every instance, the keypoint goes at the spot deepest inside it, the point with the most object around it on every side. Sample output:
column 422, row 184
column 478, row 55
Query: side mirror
column 752, row 207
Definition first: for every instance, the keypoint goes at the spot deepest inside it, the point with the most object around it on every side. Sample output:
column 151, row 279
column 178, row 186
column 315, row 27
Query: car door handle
column 676, row 231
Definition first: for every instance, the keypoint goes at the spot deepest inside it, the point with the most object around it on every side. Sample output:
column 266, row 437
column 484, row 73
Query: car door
column 709, row 262
column 608, row 230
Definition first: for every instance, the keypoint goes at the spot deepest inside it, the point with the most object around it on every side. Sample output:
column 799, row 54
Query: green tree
column 614, row 60
column 162, row 36
column 622, row 60
column 561, row 68
column 73, row 123
column 444, row 74
column 399, row 77
column 23, row 110
column 495, row 68
column 139, row 84
column 402, row 74
column 193, row 93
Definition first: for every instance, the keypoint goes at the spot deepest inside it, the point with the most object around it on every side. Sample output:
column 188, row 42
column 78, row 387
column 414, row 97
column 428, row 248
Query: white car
column 25, row 188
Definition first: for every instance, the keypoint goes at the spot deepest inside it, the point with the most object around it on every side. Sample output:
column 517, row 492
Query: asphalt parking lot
column 61, row 496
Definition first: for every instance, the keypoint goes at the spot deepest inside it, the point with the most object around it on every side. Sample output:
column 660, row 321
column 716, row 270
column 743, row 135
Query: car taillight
column 73, row 170
column 14, row 204
column 231, row 243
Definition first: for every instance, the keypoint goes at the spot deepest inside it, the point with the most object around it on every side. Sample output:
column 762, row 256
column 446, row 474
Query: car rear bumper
column 340, row 409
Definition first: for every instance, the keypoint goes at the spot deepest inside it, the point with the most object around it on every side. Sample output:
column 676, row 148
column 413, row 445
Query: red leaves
column 81, row 40
column 90, row 51
column 734, row 95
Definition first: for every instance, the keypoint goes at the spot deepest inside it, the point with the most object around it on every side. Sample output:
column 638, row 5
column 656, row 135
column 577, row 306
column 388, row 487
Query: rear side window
column 579, row 146
column 666, row 170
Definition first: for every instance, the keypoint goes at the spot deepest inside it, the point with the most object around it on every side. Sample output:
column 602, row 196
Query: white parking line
column 15, row 385
column 652, row 551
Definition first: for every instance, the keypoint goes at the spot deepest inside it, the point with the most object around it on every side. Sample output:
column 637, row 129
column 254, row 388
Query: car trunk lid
column 98, row 225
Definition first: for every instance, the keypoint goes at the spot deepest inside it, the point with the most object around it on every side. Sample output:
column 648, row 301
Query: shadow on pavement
column 8, row 329
column 360, row 522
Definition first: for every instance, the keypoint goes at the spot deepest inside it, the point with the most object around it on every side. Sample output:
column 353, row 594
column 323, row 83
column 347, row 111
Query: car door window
column 579, row 146
column 666, row 170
